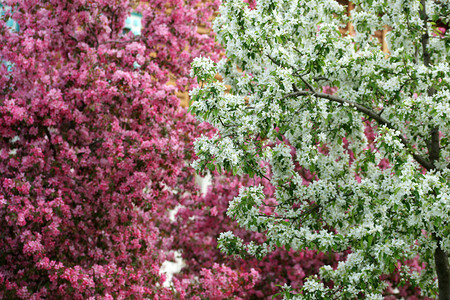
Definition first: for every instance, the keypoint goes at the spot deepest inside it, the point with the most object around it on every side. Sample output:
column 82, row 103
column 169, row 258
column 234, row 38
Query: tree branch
column 440, row 256
column 442, row 270
column 368, row 112
column 298, row 218
column 47, row 133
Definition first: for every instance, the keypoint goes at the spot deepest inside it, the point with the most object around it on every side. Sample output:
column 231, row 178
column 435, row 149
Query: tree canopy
column 371, row 127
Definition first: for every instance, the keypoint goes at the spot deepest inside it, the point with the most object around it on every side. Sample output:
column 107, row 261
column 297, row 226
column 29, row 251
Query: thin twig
column 47, row 133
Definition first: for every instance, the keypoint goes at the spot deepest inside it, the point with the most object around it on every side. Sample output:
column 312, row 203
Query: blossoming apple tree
column 388, row 200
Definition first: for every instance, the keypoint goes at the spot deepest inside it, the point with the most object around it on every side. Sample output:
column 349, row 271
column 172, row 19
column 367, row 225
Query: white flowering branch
column 369, row 113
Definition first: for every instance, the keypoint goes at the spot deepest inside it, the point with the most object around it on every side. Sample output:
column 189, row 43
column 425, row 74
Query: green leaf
column 391, row 268
column 369, row 240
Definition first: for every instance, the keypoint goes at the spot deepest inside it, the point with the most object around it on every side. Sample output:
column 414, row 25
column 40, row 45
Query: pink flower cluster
column 217, row 282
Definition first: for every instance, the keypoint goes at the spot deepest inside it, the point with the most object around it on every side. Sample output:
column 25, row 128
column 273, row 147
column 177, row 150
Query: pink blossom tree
column 93, row 144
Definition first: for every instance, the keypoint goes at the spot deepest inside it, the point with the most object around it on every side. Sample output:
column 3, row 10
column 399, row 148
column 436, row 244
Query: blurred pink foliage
column 93, row 147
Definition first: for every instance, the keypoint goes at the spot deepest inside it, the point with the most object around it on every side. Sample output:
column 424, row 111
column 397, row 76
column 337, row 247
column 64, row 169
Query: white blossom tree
column 387, row 199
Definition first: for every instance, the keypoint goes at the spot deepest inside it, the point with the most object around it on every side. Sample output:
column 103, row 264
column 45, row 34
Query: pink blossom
column 214, row 211
column 31, row 247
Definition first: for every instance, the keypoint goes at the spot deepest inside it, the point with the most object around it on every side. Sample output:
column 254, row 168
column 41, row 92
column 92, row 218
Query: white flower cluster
column 203, row 67
column 245, row 207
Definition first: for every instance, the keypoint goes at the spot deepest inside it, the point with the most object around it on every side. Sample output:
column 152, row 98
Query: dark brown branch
column 304, row 213
column 321, row 78
column 442, row 270
column 307, row 84
column 95, row 144
column 73, row 38
column 265, row 177
column 440, row 256
column 425, row 35
column 368, row 112
column 433, row 145
column 275, row 217
column 361, row 108
column 47, row 133
column 226, row 126
column 122, row 41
